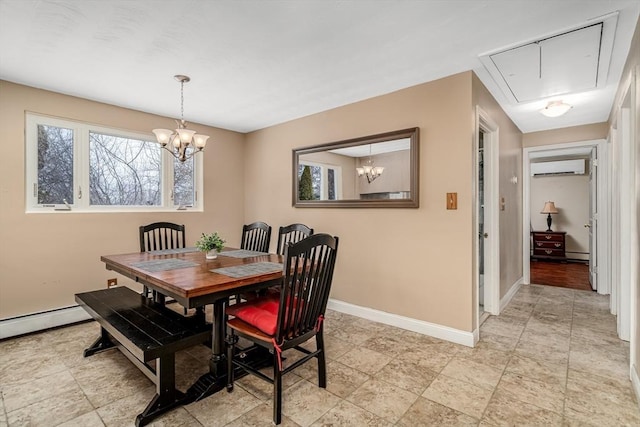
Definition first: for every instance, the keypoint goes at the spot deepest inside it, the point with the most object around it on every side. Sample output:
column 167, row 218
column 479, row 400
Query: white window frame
column 81, row 148
column 324, row 189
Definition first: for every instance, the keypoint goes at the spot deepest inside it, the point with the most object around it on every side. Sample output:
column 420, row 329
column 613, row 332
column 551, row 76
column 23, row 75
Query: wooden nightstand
column 549, row 245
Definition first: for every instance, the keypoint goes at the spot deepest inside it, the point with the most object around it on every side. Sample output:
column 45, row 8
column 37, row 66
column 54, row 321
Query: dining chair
column 292, row 233
column 256, row 237
column 159, row 236
column 289, row 320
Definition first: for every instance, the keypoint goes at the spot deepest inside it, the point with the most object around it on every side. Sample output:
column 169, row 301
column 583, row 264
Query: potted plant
column 210, row 244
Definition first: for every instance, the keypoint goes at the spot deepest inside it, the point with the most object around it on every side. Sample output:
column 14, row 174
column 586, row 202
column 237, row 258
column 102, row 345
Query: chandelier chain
column 182, row 101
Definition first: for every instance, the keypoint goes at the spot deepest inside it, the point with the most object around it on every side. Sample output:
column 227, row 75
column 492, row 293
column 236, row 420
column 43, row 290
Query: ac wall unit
column 562, row 167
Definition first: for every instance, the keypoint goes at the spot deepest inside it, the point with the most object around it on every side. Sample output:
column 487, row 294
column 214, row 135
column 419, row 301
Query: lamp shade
column 549, row 208
column 163, row 136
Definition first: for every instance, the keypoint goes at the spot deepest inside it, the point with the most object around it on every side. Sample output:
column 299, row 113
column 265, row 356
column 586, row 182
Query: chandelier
column 177, row 141
column 368, row 170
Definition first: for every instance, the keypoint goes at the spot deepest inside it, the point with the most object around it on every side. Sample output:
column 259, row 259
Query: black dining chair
column 289, row 320
column 292, row 233
column 162, row 235
column 159, row 236
column 256, row 237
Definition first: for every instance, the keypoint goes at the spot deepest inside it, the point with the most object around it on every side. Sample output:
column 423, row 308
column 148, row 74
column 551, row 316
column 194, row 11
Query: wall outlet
column 112, row 282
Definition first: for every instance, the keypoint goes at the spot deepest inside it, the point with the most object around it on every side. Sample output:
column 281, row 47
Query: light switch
column 452, row 200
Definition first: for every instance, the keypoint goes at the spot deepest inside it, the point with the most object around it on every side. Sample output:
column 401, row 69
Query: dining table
column 194, row 281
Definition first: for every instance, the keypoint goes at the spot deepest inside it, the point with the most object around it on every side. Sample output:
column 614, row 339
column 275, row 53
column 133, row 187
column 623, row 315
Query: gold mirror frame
column 408, row 202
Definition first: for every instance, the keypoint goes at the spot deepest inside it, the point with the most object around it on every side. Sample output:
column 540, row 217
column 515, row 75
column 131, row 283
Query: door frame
column 491, row 215
column 602, row 273
column 624, row 270
column 594, row 223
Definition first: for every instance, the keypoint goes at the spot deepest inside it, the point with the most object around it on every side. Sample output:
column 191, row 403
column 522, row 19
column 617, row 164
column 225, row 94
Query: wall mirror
column 377, row 171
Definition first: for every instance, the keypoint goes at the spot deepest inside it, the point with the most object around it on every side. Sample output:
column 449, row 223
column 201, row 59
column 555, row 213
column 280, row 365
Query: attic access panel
column 569, row 61
column 562, row 64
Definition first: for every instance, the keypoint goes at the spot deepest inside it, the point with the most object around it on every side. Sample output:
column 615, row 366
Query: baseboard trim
column 40, row 321
column 476, row 336
column 635, row 382
column 50, row 319
column 426, row 328
column 509, row 295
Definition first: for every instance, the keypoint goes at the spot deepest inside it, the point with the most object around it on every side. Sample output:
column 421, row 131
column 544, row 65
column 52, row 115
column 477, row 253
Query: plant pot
column 212, row 254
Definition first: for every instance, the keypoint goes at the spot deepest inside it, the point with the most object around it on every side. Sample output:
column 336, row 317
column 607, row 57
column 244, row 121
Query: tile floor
column 551, row 358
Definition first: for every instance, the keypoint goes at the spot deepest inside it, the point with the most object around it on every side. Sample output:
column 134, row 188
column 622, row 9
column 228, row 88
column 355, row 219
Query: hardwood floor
column 571, row 275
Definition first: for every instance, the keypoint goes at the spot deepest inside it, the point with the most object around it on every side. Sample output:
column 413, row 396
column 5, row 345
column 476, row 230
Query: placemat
column 248, row 269
column 242, row 253
column 156, row 265
column 174, row 251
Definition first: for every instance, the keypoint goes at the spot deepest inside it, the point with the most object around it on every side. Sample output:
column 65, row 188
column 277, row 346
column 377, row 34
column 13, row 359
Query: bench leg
column 102, row 343
column 167, row 397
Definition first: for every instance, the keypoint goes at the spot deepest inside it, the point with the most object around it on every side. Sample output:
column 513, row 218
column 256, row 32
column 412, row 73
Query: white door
column 593, row 219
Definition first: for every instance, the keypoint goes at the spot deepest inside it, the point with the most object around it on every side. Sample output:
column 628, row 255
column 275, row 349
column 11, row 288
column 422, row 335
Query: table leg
column 215, row 380
column 217, row 365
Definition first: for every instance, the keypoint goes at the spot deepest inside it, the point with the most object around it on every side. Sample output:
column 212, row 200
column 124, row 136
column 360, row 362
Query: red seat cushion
column 262, row 314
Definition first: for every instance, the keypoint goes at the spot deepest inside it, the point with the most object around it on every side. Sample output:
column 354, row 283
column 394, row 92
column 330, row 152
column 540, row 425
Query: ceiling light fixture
column 368, row 170
column 182, row 138
column 555, row 109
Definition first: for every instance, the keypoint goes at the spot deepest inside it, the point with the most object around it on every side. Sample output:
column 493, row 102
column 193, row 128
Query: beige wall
column 571, row 196
column 570, row 134
column 411, row 262
column 510, row 154
column 46, row 258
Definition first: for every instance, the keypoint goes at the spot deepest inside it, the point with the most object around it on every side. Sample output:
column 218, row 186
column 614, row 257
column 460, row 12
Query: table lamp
column 549, row 208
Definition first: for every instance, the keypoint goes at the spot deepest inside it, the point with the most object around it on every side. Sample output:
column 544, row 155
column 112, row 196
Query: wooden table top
column 192, row 282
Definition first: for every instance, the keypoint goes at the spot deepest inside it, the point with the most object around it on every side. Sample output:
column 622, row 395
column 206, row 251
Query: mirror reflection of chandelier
column 180, row 139
column 368, row 170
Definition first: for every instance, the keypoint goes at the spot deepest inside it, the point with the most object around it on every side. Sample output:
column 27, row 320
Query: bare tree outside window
column 331, row 183
column 55, row 165
column 183, row 189
column 123, row 171
column 94, row 168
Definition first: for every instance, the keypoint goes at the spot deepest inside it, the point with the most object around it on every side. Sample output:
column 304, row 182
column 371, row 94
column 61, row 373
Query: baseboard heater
column 41, row 321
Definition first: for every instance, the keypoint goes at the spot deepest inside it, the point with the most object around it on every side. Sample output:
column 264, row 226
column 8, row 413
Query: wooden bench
column 144, row 331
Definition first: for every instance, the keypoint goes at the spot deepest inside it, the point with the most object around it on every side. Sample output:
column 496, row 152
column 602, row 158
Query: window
column 73, row 165
column 325, row 180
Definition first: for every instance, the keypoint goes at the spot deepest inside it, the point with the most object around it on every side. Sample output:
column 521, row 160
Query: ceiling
column 254, row 63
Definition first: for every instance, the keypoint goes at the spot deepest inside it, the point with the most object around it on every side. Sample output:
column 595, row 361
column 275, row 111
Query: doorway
column 482, row 235
column 595, row 152
column 486, row 221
